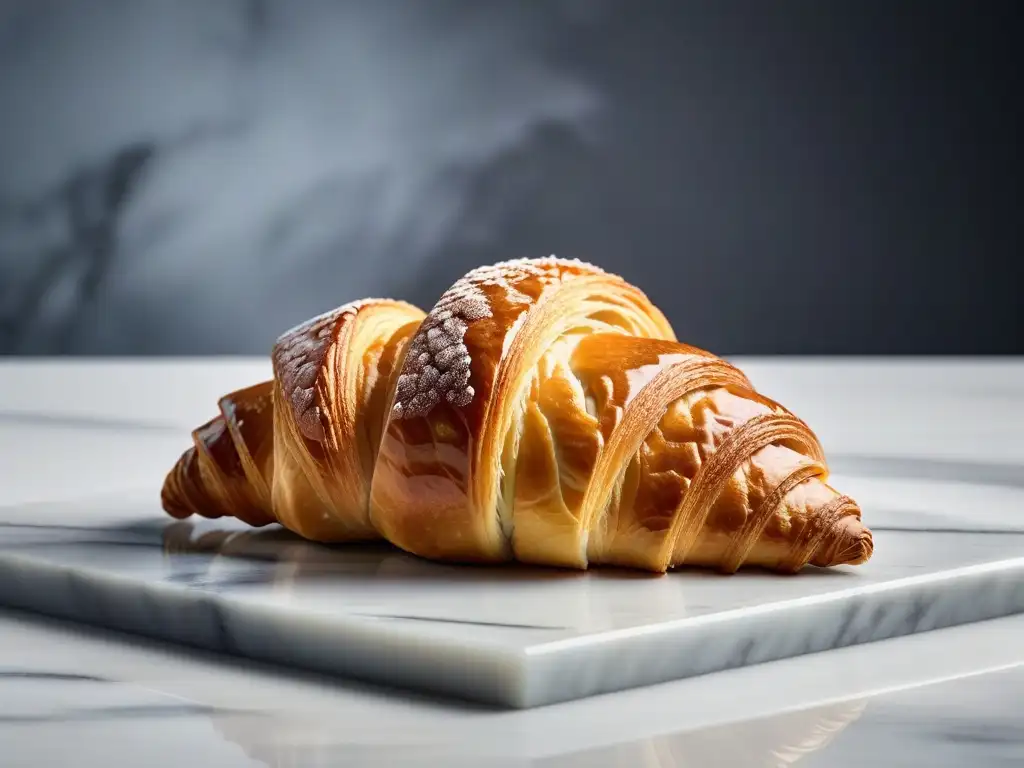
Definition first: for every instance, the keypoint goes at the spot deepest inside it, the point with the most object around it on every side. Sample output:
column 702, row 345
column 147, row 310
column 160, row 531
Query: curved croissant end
column 541, row 412
column 302, row 446
column 226, row 470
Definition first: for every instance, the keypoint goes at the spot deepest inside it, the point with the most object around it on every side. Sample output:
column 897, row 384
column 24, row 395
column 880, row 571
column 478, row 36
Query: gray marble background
column 192, row 177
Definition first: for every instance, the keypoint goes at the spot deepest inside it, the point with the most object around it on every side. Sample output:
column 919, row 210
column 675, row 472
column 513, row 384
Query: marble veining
column 75, row 695
column 949, row 549
column 30, row 696
column 261, row 144
column 516, row 637
column 974, row 720
column 966, row 718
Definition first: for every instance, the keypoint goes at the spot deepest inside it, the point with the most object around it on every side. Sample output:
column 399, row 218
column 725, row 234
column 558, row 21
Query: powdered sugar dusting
column 298, row 358
column 437, row 364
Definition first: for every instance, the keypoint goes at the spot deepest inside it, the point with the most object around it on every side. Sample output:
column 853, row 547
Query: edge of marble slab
column 508, row 676
column 753, row 635
column 334, row 644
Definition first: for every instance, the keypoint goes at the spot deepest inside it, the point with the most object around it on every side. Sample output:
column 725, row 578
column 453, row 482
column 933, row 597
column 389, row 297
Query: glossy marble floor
column 76, row 696
column 70, row 696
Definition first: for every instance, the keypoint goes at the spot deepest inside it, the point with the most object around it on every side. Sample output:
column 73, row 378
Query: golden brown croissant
column 541, row 412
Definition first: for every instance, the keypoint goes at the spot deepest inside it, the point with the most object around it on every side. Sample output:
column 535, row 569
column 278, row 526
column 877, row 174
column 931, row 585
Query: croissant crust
column 542, row 411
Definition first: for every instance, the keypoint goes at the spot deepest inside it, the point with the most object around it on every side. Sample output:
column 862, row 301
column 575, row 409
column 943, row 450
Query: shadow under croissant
column 302, row 558
column 776, row 740
column 380, row 582
column 430, row 591
column 381, row 559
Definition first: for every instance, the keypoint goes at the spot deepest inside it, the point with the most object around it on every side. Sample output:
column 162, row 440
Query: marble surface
column 513, row 636
column 949, row 549
column 73, row 429
column 70, row 695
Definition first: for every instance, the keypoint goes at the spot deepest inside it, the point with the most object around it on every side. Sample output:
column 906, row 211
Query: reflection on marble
column 517, row 636
column 926, row 726
column 787, row 738
column 975, row 720
column 780, row 740
column 127, row 715
column 118, row 701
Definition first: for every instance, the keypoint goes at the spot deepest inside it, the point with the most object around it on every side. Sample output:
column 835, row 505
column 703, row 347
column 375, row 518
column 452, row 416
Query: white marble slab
column 945, row 496
column 513, row 637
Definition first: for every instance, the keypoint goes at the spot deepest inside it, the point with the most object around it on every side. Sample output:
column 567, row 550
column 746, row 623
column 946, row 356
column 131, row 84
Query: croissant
column 542, row 412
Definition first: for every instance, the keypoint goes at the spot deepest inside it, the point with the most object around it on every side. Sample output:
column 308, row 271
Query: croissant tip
column 866, row 543
column 852, row 544
column 171, row 493
column 172, row 506
column 860, row 548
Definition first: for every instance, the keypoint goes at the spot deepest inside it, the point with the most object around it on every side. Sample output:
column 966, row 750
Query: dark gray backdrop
column 782, row 177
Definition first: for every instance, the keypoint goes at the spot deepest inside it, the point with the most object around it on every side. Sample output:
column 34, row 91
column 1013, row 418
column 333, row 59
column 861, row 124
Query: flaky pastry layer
column 543, row 412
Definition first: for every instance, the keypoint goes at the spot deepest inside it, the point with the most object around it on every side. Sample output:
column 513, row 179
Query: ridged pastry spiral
column 544, row 412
